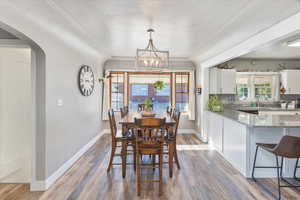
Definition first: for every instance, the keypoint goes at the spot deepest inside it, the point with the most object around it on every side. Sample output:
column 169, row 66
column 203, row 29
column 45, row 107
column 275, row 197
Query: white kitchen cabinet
column 290, row 80
column 235, row 144
column 215, row 127
column 222, row 81
column 214, row 83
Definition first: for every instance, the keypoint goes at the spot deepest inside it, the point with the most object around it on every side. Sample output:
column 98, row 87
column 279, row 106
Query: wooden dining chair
column 150, row 134
column 176, row 117
column 124, row 111
column 117, row 138
column 169, row 110
column 171, row 142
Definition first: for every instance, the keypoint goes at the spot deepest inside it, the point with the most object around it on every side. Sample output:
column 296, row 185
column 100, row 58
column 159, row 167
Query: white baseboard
column 37, row 185
column 44, row 185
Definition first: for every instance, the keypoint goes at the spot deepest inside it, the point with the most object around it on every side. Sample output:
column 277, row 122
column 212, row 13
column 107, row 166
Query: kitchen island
column 234, row 135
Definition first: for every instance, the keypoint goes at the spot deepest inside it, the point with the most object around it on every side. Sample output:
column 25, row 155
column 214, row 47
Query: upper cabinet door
column 214, row 81
column 222, row 81
column 228, row 81
column 290, row 80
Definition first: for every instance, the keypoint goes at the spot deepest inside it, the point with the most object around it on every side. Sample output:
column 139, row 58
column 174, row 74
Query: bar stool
column 288, row 147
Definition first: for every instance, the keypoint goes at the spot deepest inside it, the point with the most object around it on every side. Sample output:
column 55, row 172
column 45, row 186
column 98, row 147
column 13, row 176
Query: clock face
column 86, row 80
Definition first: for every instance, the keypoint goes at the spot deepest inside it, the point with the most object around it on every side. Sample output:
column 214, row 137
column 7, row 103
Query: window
column 182, row 91
column 117, row 90
column 243, row 87
column 141, row 88
column 259, row 86
column 165, row 91
column 263, row 87
column 133, row 88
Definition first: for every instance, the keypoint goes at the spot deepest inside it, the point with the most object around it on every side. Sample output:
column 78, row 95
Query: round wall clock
column 86, row 80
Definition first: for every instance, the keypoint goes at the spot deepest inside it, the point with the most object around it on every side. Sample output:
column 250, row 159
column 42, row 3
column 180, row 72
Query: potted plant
column 214, row 104
column 159, row 85
column 148, row 108
column 148, row 104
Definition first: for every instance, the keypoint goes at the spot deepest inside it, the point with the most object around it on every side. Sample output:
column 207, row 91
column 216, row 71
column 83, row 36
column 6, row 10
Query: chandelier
column 151, row 58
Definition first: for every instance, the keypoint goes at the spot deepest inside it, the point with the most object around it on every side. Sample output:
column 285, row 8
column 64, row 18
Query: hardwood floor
column 204, row 175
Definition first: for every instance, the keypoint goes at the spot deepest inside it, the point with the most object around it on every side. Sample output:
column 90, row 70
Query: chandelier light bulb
column 157, row 62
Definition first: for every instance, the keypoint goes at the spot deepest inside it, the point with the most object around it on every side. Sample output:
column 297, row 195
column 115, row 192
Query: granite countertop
column 265, row 120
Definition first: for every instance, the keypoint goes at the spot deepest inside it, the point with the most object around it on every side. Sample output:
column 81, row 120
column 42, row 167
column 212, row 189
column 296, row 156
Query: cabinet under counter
column 236, row 142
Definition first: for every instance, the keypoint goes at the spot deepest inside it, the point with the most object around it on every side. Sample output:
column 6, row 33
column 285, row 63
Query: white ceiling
column 188, row 28
column 277, row 50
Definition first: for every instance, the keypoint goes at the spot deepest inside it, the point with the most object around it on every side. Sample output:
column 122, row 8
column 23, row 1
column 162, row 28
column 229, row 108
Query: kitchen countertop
column 265, row 120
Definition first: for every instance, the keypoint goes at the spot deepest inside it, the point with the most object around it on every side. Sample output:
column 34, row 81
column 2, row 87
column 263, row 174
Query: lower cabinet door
column 216, row 131
column 235, row 144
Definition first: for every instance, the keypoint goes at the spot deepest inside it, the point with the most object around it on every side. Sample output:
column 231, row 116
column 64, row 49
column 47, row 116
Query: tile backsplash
column 232, row 99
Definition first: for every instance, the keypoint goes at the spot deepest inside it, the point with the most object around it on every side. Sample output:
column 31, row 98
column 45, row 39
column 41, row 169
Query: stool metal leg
column 254, row 162
column 295, row 170
column 278, row 178
column 281, row 165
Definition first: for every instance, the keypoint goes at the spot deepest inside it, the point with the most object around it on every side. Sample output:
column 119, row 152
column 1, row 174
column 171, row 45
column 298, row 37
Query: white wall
column 61, row 130
column 198, row 99
column 15, row 115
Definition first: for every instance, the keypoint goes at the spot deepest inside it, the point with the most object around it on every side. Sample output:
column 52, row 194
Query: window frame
column 188, row 89
column 111, row 91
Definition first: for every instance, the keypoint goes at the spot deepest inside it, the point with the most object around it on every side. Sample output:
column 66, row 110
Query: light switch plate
column 59, row 102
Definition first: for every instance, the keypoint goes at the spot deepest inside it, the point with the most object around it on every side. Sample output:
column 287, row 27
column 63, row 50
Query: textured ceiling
column 277, row 50
column 188, row 28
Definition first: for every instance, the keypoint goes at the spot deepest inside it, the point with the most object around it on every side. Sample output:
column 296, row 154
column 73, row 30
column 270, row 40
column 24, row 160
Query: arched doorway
column 22, row 87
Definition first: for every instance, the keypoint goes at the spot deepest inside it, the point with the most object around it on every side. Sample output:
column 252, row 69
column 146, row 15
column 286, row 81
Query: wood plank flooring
column 204, row 175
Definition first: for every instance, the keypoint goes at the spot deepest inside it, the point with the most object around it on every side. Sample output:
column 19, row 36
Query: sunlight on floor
column 196, row 147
